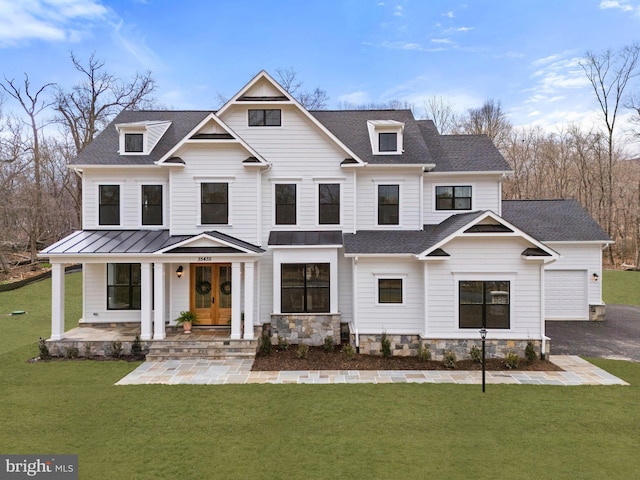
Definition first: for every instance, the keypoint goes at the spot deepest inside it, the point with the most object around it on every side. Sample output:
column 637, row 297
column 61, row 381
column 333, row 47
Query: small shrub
column 136, row 347
column 328, row 344
column 512, row 360
column 385, row 345
column 476, row 354
column 44, row 350
column 530, row 352
column 116, row 349
column 265, row 345
column 71, row 352
column 87, row 350
column 424, row 354
column 348, row 351
column 303, row 350
column 283, row 343
column 449, row 359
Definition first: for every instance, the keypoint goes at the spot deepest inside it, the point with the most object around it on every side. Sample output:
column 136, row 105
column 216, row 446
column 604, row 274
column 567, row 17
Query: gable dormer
column 386, row 137
column 140, row 138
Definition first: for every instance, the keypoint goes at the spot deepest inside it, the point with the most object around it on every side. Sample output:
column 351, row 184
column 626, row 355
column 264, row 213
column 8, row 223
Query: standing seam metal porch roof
column 131, row 242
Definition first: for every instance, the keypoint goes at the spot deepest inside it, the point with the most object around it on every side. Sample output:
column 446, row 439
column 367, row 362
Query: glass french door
column 211, row 293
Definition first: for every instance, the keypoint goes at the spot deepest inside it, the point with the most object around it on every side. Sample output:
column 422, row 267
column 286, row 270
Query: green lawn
column 621, row 287
column 303, row 431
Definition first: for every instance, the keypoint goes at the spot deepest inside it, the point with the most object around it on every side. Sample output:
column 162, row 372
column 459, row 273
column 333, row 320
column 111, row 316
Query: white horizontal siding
column 484, row 258
column 367, row 198
column 130, row 181
column 393, row 319
column 95, row 297
column 345, row 288
column 581, row 257
column 486, row 194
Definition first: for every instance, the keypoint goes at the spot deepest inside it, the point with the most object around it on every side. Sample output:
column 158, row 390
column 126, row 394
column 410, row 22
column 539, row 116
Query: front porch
column 202, row 342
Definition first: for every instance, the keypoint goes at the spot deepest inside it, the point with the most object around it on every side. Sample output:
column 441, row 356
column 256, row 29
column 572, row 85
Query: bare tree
column 609, row 73
column 489, row 120
column 33, row 105
column 91, row 104
column 315, row 99
column 441, row 113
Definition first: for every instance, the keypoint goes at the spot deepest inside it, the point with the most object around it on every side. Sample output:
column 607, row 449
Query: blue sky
column 523, row 53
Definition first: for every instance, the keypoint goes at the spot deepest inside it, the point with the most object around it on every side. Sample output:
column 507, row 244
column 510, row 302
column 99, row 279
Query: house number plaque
column 204, row 259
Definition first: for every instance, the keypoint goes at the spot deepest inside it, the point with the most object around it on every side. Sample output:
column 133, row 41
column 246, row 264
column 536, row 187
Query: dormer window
column 388, row 142
column 386, row 136
column 134, row 142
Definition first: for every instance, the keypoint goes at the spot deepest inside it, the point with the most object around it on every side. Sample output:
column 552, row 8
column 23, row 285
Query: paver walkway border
column 224, row 372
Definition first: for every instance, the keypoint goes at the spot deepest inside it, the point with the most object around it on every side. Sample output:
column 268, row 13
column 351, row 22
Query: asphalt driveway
column 617, row 337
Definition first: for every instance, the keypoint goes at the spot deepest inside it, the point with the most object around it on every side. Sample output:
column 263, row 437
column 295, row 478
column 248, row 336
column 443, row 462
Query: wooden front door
column 211, row 293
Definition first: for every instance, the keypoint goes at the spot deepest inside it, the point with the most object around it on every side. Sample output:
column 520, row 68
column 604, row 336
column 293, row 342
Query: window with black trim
column 304, row 288
column 388, row 142
column 123, row 286
column 151, row 204
column 329, row 204
column 214, row 203
column 265, row 118
column 484, row 303
column 388, row 204
column 109, row 204
column 285, row 203
column 390, row 290
column 453, row 198
column 134, row 142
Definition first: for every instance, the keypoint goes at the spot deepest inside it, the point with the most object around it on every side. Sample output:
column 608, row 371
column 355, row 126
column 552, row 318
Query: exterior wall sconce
column 179, row 271
column 595, row 277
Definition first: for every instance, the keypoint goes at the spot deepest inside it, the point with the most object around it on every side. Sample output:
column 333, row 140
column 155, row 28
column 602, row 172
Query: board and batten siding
column 130, row 181
column 216, row 163
column 485, row 195
column 484, row 259
column 585, row 257
column 309, row 158
column 407, row 318
column 367, row 198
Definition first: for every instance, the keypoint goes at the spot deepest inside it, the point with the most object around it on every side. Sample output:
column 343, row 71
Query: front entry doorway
column 211, row 293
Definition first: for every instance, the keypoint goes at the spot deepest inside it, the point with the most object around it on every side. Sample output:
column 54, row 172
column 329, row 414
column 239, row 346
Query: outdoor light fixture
column 595, row 277
column 179, row 271
column 483, row 336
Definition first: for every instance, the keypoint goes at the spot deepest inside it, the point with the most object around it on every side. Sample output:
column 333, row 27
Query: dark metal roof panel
column 305, row 237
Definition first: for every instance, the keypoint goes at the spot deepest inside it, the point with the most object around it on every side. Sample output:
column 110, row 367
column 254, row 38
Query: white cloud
column 397, row 11
column 354, row 98
column 449, row 14
column 136, row 46
column 48, row 20
column 444, row 41
column 619, row 4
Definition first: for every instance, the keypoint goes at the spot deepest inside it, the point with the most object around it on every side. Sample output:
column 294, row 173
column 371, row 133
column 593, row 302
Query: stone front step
column 211, row 350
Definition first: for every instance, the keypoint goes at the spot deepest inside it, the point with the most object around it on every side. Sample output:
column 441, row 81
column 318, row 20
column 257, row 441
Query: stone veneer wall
column 407, row 345
column 597, row 313
column 305, row 328
column 94, row 348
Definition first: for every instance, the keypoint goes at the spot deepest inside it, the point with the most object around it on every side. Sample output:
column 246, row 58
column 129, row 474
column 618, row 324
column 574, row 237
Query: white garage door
column 566, row 295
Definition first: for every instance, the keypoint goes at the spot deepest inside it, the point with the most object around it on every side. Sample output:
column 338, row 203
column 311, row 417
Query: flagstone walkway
column 224, row 372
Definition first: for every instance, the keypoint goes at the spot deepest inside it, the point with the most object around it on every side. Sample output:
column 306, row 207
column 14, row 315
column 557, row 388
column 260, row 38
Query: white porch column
column 57, row 301
column 158, row 314
column 235, row 300
column 248, row 299
column 146, row 301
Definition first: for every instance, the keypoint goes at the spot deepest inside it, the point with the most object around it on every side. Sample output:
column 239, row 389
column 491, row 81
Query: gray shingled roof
column 103, row 150
column 553, row 220
column 405, row 241
column 350, row 126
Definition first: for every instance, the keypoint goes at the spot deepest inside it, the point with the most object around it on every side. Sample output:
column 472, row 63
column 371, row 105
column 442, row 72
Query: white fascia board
column 312, row 119
column 112, row 166
column 380, row 255
column 489, row 214
column 605, row 243
column 421, row 166
column 213, row 240
column 211, row 116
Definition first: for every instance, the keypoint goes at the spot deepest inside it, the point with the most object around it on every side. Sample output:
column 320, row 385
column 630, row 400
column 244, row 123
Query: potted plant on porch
column 186, row 318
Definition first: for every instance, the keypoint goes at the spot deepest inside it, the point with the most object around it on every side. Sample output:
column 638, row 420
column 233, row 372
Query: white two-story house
column 263, row 216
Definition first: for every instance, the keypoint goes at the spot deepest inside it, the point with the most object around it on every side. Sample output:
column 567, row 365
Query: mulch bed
column 318, row 359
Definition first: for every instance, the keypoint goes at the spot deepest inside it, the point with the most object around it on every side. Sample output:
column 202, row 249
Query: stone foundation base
column 408, row 345
column 305, row 328
column 596, row 313
column 91, row 348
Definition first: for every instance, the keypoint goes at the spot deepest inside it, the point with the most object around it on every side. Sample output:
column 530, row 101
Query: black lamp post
column 483, row 336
